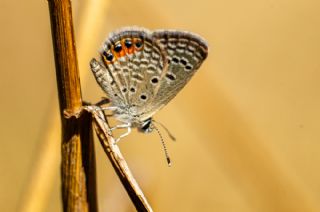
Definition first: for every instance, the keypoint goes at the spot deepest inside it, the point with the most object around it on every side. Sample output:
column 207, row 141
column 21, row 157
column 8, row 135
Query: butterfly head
column 146, row 126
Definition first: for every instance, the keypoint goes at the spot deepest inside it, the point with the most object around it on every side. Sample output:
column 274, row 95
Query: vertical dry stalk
column 78, row 161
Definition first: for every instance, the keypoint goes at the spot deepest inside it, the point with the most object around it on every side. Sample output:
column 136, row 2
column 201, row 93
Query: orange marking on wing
column 118, row 54
column 135, row 40
column 129, row 50
column 124, row 51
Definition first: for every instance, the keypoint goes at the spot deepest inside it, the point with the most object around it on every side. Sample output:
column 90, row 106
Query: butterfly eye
column 128, row 43
column 138, row 44
column 108, row 56
column 118, row 48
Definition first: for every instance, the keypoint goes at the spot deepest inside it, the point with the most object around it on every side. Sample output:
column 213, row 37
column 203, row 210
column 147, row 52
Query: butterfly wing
column 107, row 82
column 132, row 65
column 184, row 52
column 146, row 66
column 141, row 71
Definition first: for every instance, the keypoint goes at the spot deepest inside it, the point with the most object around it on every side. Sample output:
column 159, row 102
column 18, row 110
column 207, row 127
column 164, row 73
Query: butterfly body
column 141, row 71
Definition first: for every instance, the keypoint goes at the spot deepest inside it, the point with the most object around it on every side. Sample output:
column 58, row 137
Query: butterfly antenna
column 164, row 146
column 166, row 129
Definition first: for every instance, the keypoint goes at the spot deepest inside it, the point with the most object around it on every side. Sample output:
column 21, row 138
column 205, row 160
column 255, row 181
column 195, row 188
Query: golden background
column 247, row 124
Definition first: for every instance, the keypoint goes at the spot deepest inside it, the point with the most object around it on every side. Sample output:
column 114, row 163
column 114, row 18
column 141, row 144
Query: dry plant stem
column 117, row 160
column 78, row 161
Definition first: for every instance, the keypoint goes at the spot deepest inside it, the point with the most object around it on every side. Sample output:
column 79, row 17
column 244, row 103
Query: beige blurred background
column 247, row 124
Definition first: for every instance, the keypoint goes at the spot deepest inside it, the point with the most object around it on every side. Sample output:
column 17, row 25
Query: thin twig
column 78, row 161
column 117, row 160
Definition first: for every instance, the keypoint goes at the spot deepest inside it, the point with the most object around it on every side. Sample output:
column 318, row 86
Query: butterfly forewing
column 107, row 82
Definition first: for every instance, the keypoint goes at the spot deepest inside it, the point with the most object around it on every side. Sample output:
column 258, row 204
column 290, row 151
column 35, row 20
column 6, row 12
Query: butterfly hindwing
column 146, row 68
column 185, row 53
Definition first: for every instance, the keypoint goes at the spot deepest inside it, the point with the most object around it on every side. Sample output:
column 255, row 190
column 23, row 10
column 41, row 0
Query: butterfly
column 142, row 70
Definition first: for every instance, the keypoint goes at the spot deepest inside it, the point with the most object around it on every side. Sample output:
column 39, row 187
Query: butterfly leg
column 122, row 126
column 110, row 108
column 124, row 135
